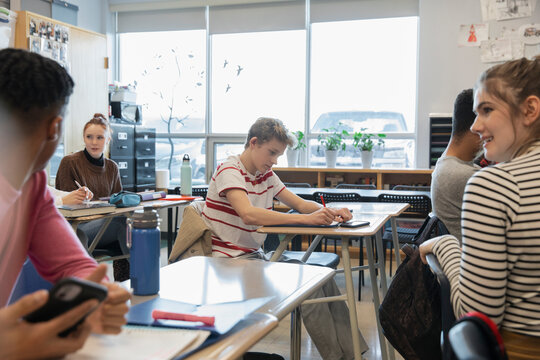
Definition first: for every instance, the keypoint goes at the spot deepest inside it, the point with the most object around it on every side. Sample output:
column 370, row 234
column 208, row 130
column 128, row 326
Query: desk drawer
column 146, row 171
column 122, row 141
column 127, row 171
column 145, row 142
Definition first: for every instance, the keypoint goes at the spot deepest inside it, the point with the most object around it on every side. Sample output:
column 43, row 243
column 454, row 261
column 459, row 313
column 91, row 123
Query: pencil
column 322, row 199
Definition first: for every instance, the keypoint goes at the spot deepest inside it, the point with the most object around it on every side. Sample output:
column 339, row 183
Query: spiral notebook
column 141, row 343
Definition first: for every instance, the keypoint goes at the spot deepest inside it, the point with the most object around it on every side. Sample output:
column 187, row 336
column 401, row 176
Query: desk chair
column 447, row 312
column 28, row 281
column 412, row 187
column 420, row 207
column 475, row 336
column 356, row 186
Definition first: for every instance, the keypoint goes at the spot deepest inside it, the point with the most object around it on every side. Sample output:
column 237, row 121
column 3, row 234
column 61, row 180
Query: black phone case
column 60, row 301
column 354, row 223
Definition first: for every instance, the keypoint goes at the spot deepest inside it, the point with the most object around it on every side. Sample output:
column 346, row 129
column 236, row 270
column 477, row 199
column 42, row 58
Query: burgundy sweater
column 101, row 180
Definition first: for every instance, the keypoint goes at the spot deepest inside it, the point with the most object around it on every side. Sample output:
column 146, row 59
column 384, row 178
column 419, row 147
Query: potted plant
column 365, row 143
column 293, row 152
column 333, row 140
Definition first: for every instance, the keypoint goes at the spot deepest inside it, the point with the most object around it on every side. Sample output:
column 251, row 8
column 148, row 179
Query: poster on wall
column 496, row 50
column 530, row 34
column 513, row 9
column 473, row 34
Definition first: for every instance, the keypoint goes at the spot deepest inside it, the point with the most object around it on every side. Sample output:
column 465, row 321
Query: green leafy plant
column 300, row 140
column 365, row 141
column 333, row 139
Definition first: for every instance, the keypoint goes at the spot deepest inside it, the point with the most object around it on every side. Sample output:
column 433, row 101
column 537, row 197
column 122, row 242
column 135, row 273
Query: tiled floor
column 278, row 340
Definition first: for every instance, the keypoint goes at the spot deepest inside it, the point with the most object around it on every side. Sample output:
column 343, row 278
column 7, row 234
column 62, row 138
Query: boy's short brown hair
column 266, row 129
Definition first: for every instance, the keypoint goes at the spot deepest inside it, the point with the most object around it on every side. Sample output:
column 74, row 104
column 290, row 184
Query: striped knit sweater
column 497, row 271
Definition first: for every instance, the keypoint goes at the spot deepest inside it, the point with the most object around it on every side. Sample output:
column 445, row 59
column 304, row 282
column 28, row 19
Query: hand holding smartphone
column 65, row 295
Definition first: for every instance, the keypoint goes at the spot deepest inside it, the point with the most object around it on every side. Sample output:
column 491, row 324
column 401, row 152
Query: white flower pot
column 331, row 158
column 292, row 157
column 367, row 159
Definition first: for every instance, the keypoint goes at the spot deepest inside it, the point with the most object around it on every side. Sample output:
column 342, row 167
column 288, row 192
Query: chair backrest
column 475, row 336
column 199, row 191
column 336, row 197
column 420, row 204
column 447, row 312
column 412, row 187
column 356, row 186
column 295, row 184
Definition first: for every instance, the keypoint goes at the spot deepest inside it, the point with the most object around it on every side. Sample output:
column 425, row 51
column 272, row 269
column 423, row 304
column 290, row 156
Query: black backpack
column 410, row 314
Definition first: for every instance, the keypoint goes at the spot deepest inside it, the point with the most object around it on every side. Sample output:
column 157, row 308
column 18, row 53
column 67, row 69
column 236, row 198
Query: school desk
column 377, row 214
column 156, row 204
column 207, row 280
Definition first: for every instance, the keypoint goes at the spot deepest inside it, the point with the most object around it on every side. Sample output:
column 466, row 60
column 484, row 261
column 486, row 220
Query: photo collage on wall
column 50, row 40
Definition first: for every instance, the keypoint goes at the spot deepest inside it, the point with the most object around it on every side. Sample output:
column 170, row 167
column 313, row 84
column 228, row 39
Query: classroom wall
column 445, row 69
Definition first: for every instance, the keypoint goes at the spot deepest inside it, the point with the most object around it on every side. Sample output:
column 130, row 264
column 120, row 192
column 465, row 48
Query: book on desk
column 86, row 209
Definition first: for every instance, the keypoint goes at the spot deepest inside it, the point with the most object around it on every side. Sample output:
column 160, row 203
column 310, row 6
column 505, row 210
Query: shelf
column 320, row 177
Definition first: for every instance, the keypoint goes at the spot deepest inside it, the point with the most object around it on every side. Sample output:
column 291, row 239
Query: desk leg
column 384, row 286
column 99, row 235
column 282, row 246
column 375, row 290
column 296, row 334
column 169, row 231
column 395, row 240
column 349, row 286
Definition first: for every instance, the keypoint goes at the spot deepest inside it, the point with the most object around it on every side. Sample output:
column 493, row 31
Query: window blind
column 162, row 20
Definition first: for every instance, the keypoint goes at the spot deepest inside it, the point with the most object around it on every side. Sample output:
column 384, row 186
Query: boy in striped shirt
column 239, row 200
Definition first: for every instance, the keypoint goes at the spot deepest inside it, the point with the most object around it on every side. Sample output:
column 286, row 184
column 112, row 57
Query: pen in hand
column 85, row 192
column 322, row 200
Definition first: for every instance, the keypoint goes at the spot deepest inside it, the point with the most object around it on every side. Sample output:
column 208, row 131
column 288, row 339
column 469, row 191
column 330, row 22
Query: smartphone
column 354, row 223
column 65, row 295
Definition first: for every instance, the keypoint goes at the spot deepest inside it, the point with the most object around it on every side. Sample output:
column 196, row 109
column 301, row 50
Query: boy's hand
column 342, row 214
column 323, row 216
column 110, row 315
column 21, row 339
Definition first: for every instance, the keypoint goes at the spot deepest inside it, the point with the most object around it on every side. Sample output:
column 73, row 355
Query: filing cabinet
column 133, row 148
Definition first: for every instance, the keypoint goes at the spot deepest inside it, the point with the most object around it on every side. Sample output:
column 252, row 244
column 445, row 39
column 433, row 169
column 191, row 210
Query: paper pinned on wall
column 513, row 9
column 496, row 50
column 529, row 34
column 473, row 34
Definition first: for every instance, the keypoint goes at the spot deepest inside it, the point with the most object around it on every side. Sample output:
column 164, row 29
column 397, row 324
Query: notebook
column 85, row 209
column 347, row 224
column 226, row 314
column 141, row 342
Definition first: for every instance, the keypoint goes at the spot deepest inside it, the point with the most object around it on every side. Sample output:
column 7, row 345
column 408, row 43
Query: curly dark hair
column 463, row 116
column 32, row 86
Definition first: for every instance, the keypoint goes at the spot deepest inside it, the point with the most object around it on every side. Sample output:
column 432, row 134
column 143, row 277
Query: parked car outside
column 394, row 154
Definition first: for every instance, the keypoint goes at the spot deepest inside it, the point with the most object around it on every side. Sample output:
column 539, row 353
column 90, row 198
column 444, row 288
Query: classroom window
column 257, row 74
column 168, row 69
column 194, row 147
column 366, row 80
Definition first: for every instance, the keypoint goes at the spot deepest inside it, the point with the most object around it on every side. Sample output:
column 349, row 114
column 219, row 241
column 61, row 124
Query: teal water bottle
column 185, row 176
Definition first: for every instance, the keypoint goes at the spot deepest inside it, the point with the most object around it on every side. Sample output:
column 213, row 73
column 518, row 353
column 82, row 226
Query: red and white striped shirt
column 231, row 237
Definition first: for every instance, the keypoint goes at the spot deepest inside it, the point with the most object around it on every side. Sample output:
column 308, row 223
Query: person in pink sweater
column 34, row 92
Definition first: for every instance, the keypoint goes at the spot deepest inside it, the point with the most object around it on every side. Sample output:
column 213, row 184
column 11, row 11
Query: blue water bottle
column 143, row 239
column 185, row 176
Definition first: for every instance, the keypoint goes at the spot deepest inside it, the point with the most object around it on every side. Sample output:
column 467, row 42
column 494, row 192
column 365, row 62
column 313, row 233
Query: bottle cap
column 186, row 157
column 147, row 218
